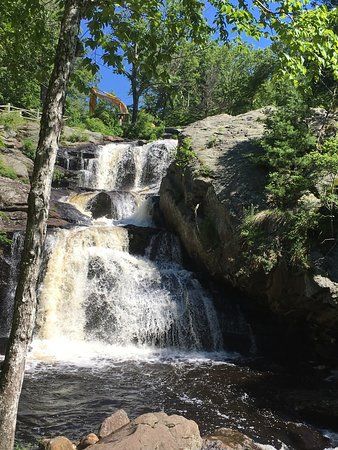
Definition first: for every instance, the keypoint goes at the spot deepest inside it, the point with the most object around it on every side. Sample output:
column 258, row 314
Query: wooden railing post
column 8, row 107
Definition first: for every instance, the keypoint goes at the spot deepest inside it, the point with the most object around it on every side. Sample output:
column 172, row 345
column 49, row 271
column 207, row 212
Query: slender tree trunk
column 136, row 100
column 134, row 87
column 38, row 208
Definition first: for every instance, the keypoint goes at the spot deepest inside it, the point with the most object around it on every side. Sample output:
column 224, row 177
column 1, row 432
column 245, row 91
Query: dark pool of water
column 72, row 400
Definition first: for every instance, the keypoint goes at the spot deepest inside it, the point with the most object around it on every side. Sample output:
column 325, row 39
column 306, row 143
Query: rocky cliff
column 204, row 203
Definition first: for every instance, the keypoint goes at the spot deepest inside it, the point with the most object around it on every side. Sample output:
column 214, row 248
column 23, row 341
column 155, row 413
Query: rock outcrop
column 160, row 431
column 204, row 204
column 152, row 431
column 228, row 439
column 113, row 423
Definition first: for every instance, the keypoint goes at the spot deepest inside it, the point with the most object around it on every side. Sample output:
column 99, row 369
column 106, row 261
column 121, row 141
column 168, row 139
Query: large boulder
column 154, row 431
column 59, row 443
column 100, row 206
column 13, row 194
column 18, row 162
column 13, row 204
column 205, row 202
column 229, row 439
column 88, row 440
column 113, row 423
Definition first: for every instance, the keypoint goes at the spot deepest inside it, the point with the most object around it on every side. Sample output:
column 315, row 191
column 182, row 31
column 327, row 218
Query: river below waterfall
column 215, row 390
column 123, row 323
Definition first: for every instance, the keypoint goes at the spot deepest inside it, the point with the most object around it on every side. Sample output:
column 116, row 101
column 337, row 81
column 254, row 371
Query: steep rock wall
column 204, row 204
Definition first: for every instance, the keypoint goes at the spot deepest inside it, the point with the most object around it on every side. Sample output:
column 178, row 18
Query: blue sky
column 120, row 84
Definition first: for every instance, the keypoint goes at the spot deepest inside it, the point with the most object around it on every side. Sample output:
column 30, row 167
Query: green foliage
column 209, row 80
column 108, row 114
column 184, row 154
column 58, row 176
column 11, row 120
column 302, row 172
column 81, row 80
column 205, row 171
column 78, row 136
column 6, row 171
column 4, row 240
column 28, row 36
column 2, row 143
column 3, row 216
column 212, row 142
column 29, row 148
column 310, row 46
column 97, row 124
column 146, row 127
column 271, row 235
column 20, row 446
column 287, row 141
column 261, row 245
column 138, row 39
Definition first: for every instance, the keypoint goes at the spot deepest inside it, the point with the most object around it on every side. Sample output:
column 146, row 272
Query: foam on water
column 95, row 291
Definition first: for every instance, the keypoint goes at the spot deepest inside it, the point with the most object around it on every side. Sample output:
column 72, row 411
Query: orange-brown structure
column 95, row 94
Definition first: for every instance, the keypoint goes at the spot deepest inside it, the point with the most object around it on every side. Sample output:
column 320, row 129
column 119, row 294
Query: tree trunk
column 38, row 208
column 136, row 102
column 134, row 88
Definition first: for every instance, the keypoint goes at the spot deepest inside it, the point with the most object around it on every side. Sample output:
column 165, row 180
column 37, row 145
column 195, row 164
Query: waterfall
column 128, row 166
column 94, row 294
column 94, row 290
column 64, row 287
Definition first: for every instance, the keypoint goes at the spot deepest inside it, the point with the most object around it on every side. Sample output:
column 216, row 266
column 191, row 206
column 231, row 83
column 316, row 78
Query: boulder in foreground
column 154, row 431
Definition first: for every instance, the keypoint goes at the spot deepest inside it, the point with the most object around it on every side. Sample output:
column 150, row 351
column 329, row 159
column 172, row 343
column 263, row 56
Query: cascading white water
column 65, row 283
column 95, row 291
column 128, row 166
column 96, row 295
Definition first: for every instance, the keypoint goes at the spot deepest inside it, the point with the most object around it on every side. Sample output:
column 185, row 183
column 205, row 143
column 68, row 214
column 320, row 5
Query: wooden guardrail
column 30, row 114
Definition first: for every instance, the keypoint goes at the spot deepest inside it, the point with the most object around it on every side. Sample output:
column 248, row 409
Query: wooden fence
column 30, row 114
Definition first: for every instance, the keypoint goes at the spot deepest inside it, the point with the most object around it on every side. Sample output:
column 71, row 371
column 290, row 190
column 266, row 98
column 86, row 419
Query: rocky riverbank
column 159, row 431
column 204, row 202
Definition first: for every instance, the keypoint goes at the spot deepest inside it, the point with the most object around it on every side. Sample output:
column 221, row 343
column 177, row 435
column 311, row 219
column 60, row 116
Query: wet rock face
column 100, row 206
column 71, row 158
column 228, row 439
column 204, row 204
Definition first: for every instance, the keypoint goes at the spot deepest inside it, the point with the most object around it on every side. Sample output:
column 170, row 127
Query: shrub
column 212, row 142
column 146, row 127
column 205, row 171
column 58, row 176
column 300, row 191
column 3, row 216
column 6, row 171
column 184, row 154
column 287, row 141
column 96, row 124
column 20, row 446
column 78, row 136
column 11, row 120
column 4, row 240
column 29, row 148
